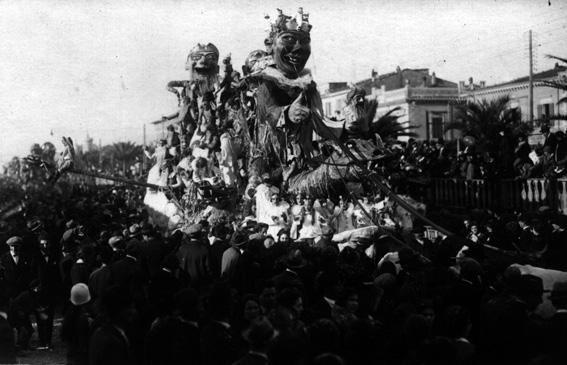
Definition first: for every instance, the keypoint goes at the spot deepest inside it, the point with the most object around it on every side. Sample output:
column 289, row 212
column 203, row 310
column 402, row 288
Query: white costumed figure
column 227, row 160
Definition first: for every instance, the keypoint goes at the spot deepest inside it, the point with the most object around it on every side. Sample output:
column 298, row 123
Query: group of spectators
column 509, row 159
column 229, row 292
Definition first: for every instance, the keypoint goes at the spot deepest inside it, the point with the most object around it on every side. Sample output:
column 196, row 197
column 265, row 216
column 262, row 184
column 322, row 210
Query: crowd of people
column 510, row 159
column 270, row 282
column 233, row 292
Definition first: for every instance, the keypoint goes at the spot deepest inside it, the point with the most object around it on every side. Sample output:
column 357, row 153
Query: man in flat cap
column 15, row 268
column 193, row 255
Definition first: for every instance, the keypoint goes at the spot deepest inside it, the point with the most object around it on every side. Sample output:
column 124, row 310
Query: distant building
column 89, row 143
column 547, row 100
column 424, row 99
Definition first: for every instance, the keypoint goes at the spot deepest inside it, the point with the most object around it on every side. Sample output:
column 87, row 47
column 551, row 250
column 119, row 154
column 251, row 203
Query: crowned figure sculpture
column 289, row 116
column 289, row 108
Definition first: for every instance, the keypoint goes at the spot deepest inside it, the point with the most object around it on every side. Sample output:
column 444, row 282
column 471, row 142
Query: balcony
column 428, row 93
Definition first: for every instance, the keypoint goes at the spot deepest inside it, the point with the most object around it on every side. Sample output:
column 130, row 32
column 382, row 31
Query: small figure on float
column 159, row 172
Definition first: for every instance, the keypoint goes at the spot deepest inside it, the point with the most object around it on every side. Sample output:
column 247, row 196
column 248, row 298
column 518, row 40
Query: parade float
column 271, row 123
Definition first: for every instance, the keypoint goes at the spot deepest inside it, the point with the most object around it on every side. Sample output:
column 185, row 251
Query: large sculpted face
column 291, row 50
column 203, row 59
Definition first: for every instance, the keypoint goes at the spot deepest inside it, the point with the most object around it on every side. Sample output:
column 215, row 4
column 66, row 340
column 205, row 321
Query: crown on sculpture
column 286, row 23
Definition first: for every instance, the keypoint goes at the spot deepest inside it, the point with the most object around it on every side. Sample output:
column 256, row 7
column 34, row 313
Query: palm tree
column 14, row 167
column 387, row 126
column 125, row 153
column 92, row 158
column 557, row 84
column 486, row 120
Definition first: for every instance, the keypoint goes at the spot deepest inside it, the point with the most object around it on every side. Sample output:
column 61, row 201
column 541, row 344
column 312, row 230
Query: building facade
column 547, row 101
column 423, row 99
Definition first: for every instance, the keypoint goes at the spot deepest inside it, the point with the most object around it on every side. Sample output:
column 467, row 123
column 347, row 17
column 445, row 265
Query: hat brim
column 238, row 244
column 297, row 265
column 246, row 336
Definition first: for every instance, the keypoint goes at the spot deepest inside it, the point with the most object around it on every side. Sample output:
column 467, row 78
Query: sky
column 68, row 68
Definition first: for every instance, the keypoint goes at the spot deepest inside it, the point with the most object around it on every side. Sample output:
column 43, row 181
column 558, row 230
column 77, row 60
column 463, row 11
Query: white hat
column 80, row 294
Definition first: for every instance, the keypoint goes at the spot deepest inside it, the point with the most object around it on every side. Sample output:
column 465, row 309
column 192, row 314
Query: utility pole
column 531, row 84
column 99, row 154
column 144, row 154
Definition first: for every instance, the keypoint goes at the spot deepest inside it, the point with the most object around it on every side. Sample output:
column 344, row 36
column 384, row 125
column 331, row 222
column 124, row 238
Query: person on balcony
column 522, row 160
column 469, row 167
column 561, row 154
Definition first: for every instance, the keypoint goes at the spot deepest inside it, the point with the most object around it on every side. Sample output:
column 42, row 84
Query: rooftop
column 547, row 74
column 418, row 77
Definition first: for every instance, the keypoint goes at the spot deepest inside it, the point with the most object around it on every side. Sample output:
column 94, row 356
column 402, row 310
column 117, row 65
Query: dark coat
column 22, row 307
column 288, row 279
column 109, row 346
column 172, row 341
column 230, row 259
column 126, row 272
column 217, row 250
column 218, row 345
column 49, row 276
column 161, row 290
column 194, row 260
column 318, row 309
column 16, row 277
column 75, row 332
column 152, row 256
column 7, row 345
column 99, row 280
column 80, row 272
column 65, row 265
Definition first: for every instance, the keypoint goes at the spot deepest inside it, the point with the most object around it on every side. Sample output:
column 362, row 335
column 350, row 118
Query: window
column 436, row 125
column 328, row 108
column 544, row 110
column 562, row 106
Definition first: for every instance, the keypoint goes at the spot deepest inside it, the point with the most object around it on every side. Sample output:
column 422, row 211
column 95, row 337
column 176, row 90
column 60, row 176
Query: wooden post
column 531, row 85
column 143, row 154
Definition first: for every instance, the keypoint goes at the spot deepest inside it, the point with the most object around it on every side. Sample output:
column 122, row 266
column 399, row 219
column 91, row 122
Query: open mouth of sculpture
column 202, row 68
column 294, row 59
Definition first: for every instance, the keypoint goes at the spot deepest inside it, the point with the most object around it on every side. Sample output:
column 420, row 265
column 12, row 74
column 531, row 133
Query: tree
column 14, row 167
column 125, row 153
column 387, row 126
column 92, row 158
column 486, row 121
column 557, row 84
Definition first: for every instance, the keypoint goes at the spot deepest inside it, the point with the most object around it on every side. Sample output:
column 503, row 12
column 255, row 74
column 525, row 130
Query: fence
column 500, row 195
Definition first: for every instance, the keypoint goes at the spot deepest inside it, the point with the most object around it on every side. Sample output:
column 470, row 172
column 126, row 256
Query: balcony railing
column 432, row 93
column 500, row 195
